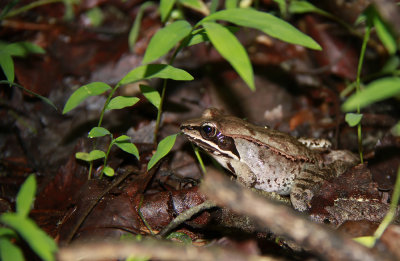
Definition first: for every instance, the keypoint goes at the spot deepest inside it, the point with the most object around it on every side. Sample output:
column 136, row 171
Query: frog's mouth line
column 211, row 149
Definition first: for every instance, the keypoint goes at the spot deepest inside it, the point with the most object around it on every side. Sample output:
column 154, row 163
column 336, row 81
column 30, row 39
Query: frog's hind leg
column 305, row 185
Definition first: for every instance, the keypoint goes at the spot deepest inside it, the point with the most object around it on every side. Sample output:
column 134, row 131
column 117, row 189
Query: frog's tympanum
column 267, row 159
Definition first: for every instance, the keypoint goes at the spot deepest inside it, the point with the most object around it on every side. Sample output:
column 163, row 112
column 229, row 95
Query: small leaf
column 200, row 35
column 150, row 71
column 7, row 232
column 162, row 149
column 229, row 4
column 96, row 154
column 10, row 5
column 391, row 65
column 93, row 155
column 165, row 8
column 123, row 142
column 91, row 89
column 9, row 251
column 22, row 49
column 169, row 36
column 46, row 100
column 152, row 95
column 26, row 196
column 227, row 44
column 108, row 171
column 368, row 241
column 98, row 132
column 196, row 5
column 353, row 119
column 182, row 237
column 384, row 34
column 121, row 102
column 83, row 156
column 134, row 32
column 7, row 65
column 301, row 7
column 266, row 23
column 375, row 91
column 95, row 16
column 282, row 6
column 38, row 240
column 123, row 138
column 395, row 130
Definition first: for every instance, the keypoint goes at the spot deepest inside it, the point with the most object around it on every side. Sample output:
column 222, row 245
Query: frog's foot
column 305, row 184
column 301, row 199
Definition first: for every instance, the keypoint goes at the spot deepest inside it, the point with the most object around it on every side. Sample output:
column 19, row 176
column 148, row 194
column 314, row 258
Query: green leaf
column 7, row 65
column 395, row 130
column 152, row 95
column 91, row 89
column 93, row 155
column 300, row 7
column 123, row 138
column 7, row 232
column 26, row 196
column 384, row 34
column 353, row 119
column 108, row 171
column 182, row 237
column 83, row 156
column 282, row 7
column 196, row 5
column 37, row 239
column 7, row 8
column 162, row 149
column 375, row 91
column 391, row 65
column 95, row 16
column 266, row 23
column 98, row 132
column 134, row 32
column 165, row 8
column 165, row 39
column 149, row 71
column 368, row 241
column 232, row 50
column 229, row 4
column 9, row 251
column 213, row 6
column 200, row 35
column 123, row 142
column 120, row 102
column 22, row 49
column 46, row 100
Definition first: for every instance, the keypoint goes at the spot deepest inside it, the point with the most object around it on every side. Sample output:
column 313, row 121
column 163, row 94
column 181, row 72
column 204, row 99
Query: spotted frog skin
column 264, row 158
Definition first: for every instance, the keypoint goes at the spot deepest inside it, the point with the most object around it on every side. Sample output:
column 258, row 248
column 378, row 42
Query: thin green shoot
column 359, row 68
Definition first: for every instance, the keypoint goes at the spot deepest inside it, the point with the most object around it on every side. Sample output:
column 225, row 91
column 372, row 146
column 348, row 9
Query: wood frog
column 267, row 159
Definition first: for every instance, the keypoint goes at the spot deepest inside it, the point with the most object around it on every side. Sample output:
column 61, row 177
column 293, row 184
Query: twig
column 326, row 243
column 154, row 249
column 186, row 215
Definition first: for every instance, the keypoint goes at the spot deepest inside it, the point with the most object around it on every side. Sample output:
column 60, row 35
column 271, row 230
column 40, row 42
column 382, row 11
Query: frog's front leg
column 305, row 184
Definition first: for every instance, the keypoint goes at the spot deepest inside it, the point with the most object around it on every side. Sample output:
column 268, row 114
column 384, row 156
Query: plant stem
column 392, row 211
column 99, row 125
column 106, row 104
column 159, row 112
column 30, row 6
column 359, row 68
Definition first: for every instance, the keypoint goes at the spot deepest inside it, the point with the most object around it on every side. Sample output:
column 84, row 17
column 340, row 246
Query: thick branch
column 280, row 219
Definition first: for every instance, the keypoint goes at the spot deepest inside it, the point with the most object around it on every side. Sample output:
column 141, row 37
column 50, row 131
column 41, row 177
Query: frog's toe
column 301, row 199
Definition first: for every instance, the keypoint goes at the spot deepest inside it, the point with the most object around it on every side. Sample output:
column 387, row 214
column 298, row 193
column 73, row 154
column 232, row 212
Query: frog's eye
column 208, row 131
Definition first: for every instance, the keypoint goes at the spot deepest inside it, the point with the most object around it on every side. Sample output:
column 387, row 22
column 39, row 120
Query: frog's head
column 207, row 133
